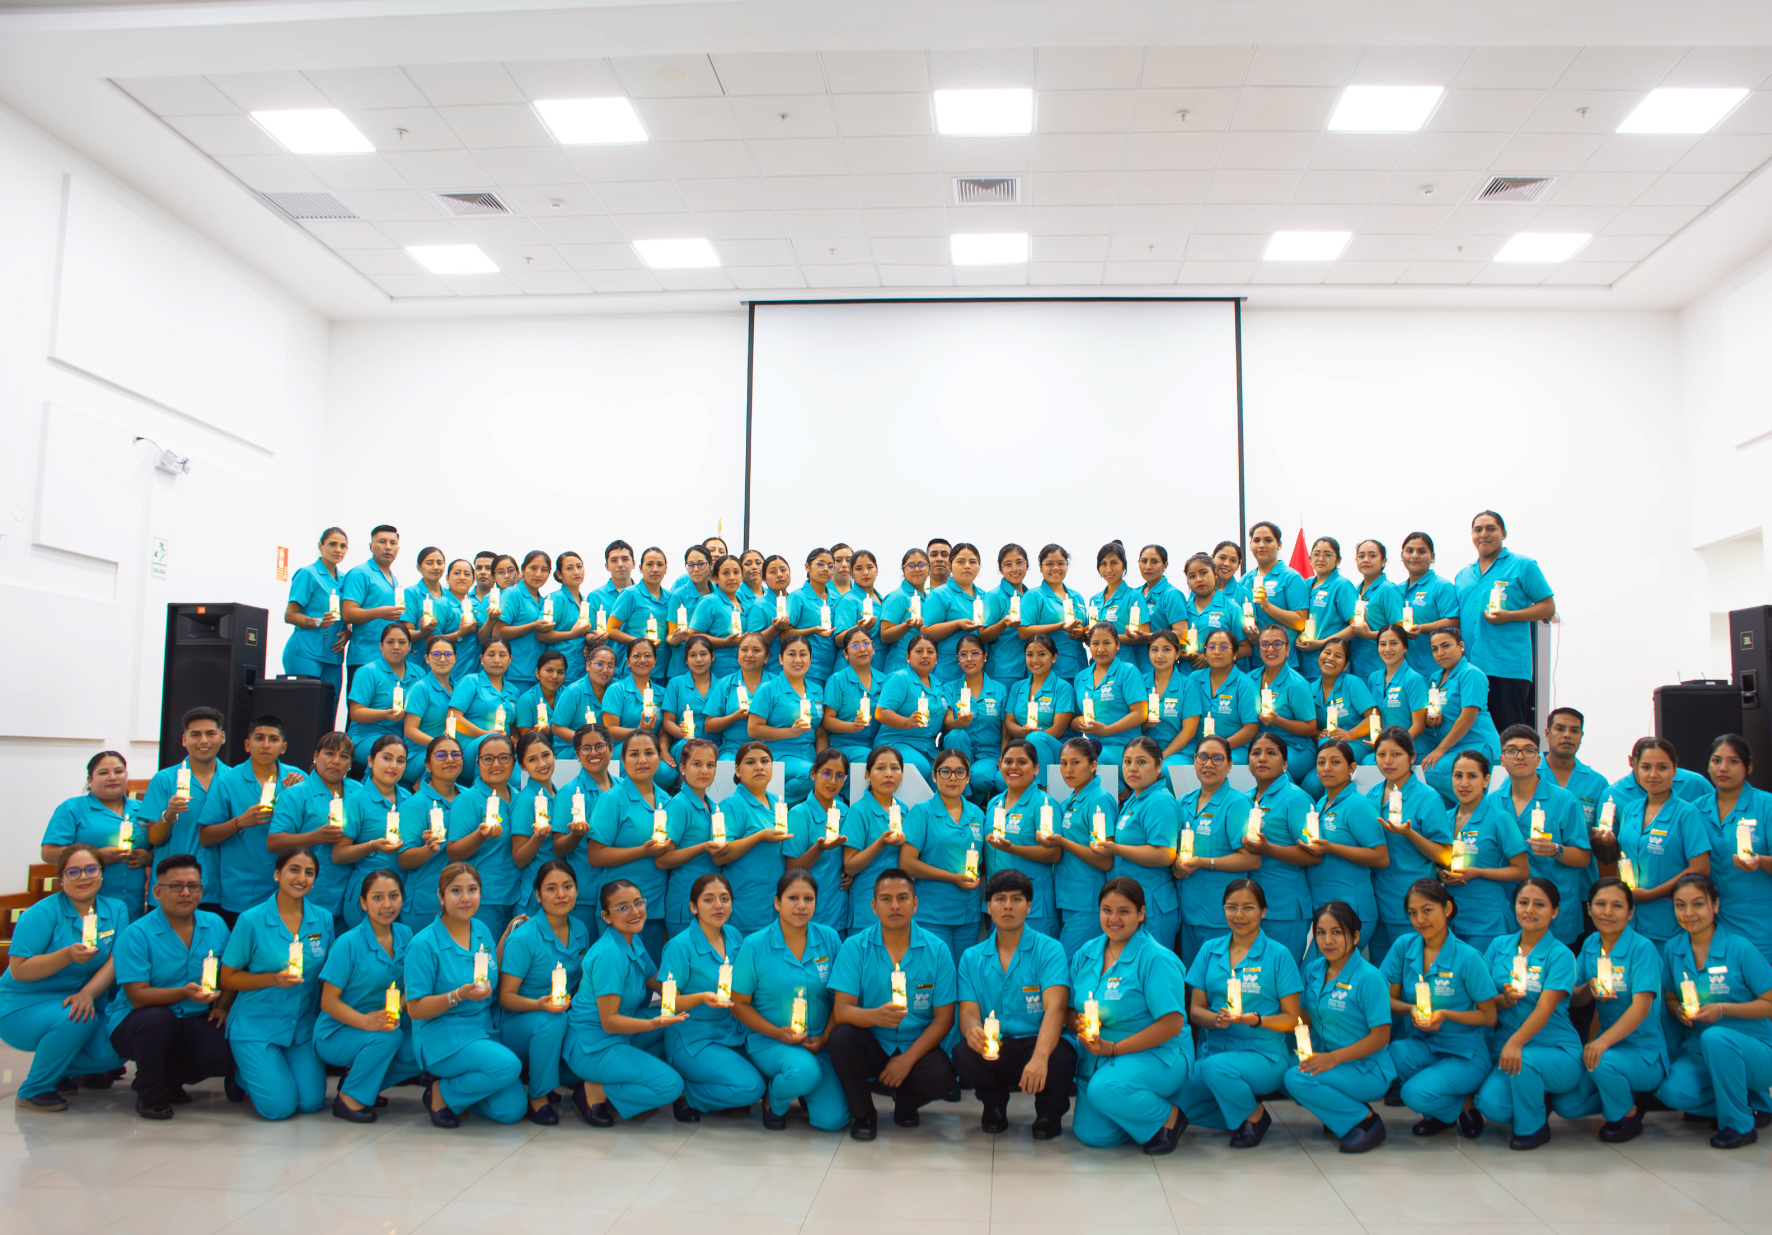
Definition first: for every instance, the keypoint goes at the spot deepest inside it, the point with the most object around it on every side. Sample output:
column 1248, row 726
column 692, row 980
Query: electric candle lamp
column 1045, row 828
column 1689, row 997
column 717, row 827
column 482, row 964
column 267, row 792
column 797, row 1017
column 900, row 992
column 781, row 818
column 723, row 988
column 493, row 816
column 993, row 1036
column 211, row 972
column 393, row 826
column 972, row 863
column 659, row 833
column 833, row 821
column 1091, row 1018
column 498, row 719
column 295, row 957
column 1098, row 827
column 578, row 806
column 667, row 996
column 89, row 930
column 558, row 991
column 391, row 1003
column 439, row 827
column 183, row 780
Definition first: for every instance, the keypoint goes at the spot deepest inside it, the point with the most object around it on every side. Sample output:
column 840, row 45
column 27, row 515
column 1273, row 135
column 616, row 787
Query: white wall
column 80, row 502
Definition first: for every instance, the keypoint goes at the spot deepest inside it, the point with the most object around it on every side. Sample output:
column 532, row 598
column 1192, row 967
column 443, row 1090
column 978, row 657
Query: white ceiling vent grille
column 462, row 204
column 1515, row 188
column 310, row 206
column 987, row 191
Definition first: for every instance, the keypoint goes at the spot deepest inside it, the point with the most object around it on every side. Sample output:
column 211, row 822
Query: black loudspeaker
column 1750, row 666
column 215, row 655
column 1692, row 714
column 306, row 706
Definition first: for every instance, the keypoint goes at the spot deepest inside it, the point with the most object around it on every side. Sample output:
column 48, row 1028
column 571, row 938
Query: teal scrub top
column 1116, row 610
column 1505, row 650
column 806, row 608
column 1176, row 701
column 519, row 606
column 760, row 617
column 1053, row 695
column 1346, row 1008
column 500, row 881
column 1220, row 612
column 162, row 788
column 362, row 971
column 1150, row 817
column 415, row 824
column 942, row 843
column 428, row 700
column 843, row 693
column 806, row 828
column 1286, row 589
column 1042, row 606
column 989, row 705
column 1463, row 686
column 1346, row 819
column 900, row 695
column 526, row 717
column 1658, row 851
column 149, row 950
column 952, row 603
column 1005, row 657
column 1734, row 972
column 631, row 611
column 467, row 651
column 1021, row 826
column 692, row 961
column 1587, row 787
column 864, row 971
column 564, row 607
column 1144, row 984
column 1563, row 821
column 1747, row 895
column 243, row 865
column 1636, row 970
column 865, row 822
column 1383, row 605
column 683, row 694
column 580, row 704
column 1218, row 821
column 366, row 819
column 305, row 808
column 1398, row 696
column 848, row 615
column 370, row 587
column 1351, row 699
column 1231, row 703
column 1283, row 808
column 1076, row 884
column 1490, row 839
column 478, row 700
column 1294, row 699
column 618, row 966
column 373, row 687
column 689, row 820
column 755, row 875
column 1550, row 966
column 590, row 878
column 681, row 602
column 91, row 822
column 625, row 700
column 311, row 590
column 1120, row 689
column 278, row 1015
column 622, row 819
column 1430, row 599
column 1016, row 994
column 1424, row 811
column 1159, row 606
column 1689, row 786
column 533, row 949
column 777, row 704
column 1268, row 974
column 445, row 611
column 725, row 699
column 768, row 971
column 436, row 964
column 1457, row 981
column 49, row 926
column 889, row 656
column 721, row 616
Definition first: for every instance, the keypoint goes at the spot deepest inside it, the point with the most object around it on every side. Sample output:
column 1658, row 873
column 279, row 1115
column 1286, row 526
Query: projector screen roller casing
column 886, row 423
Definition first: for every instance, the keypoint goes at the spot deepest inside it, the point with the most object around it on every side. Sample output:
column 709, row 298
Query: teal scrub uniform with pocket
column 243, row 865
column 1563, row 825
column 1351, row 701
column 428, row 700
column 1231, row 702
column 150, row 951
column 624, row 704
column 1118, row 692
column 467, row 650
column 564, row 608
column 538, row 1037
column 1658, row 851
column 901, row 694
column 162, row 788
column 640, row 613
column 1152, row 817
column 1293, row 699
column 623, row 819
column 1746, row 895
column 865, row 822
column 1502, row 650
column 590, row 878
column 1021, row 826
column 945, row 910
column 1042, row 606
column 1346, row 819
column 34, row 1016
column 445, row 615
column 1398, row 696
column 807, row 610
column 759, row 618
column 1285, row 589
column 1440, row 1068
column 366, row 819
column 683, row 695
column 1450, row 692
column 369, row 587
column 1175, row 702
column 1428, row 599
column 307, row 807
column 629, row 1066
column 1218, row 822
column 1123, row 1098
column 980, row 739
column 1550, row 1064
column 773, row 976
column 531, row 705
column 1638, row 1063
column 1005, row 657
column 373, row 687
column 1159, row 608
column 1378, row 604
column 864, row 972
column 1219, row 612
column 843, row 694
column 1239, row 1063
column 681, row 602
column 722, row 617
column 689, row 821
column 1426, row 816
column 310, row 651
column 1489, row 840
column 1115, row 610
column 581, row 704
column 423, row 812
column 519, row 606
column 952, row 603
column 779, row 706
column 707, row 1050
column 500, row 881
column 754, row 875
column 1723, row 1068
column 459, row 1046
column 889, row 657
column 1076, row 885
column 1330, row 609
column 1051, row 696
column 806, row 830
column 1288, row 920
column 362, row 969
column 271, row 1031
column 88, row 821
column 1341, row 1011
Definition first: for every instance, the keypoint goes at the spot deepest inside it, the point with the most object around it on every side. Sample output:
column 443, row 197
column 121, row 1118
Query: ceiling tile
column 658, row 226
column 1135, row 273
column 1360, row 151
column 1409, row 187
column 1545, row 152
column 270, row 173
column 621, row 281
column 841, row 276
column 1581, row 111
column 1366, row 272
column 1173, row 151
column 1064, row 274
column 1639, row 152
column 687, row 119
column 883, row 115
column 563, row 283
column 231, row 134
column 1219, row 273
column 437, row 232
column 425, row 128
column 1066, row 221
column 1171, row 187
column 1652, row 220
column 354, row 171
column 1267, row 150
column 1721, row 66
column 766, row 278
column 1483, row 111
column 991, row 276
column 1085, row 111
column 741, row 225
column 1600, row 188
column 641, row 197
column 388, row 260
column 1069, row 248
column 707, row 160
column 479, row 284
column 1072, row 189
column 876, row 72
column 768, row 73
column 465, row 85
column 178, row 96
column 1619, row 248
column 1527, row 68
column 917, row 276
column 406, row 286
column 1442, row 272
column 1590, row 273
column 779, row 116
column 1287, row 65
column 534, row 258
column 356, row 89
column 1619, row 68
column 580, row 229
column 692, row 280
column 439, row 169
column 1409, row 66
column 1688, row 189
column 755, row 252
column 1195, row 66
column 1302, row 216
column 745, row 193
column 1726, row 154
column 1240, row 219
column 803, row 156
column 1000, row 218
column 1753, row 116
column 822, row 224
column 1079, row 152
column 552, row 201
column 268, row 91
column 992, row 68
column 984, row 155
column 1289, row 108
column 1466, row 150
column 389, row 205
column 536, row 165
column 912, row 251
column 656, row 77
column 1089, row 68
column 1402, row 219
column 1147, row 248
column 905, row 222
column 498, row 125
column 1492, row 218
column 1456, row 247
column 1153, row 221
column 891, row 154
column 1515, row 273
column 811, row 192
column 1365, row 248
column 1184, row 111
column 603, row 163
column 1574, row 218
column 896, row 192
column 564, row 79
column 346, row 234
column 1252, row 186
column 601, row 256
column 493, row 232
column 1291, row 272
column 1246, row 247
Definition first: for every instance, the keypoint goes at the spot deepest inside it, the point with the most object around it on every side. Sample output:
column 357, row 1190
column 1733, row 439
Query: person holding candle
column 858, row 609
column 1345, row 711
column 689, row 826
column 768, row 618
column 1147, row 838
column 1203, row 610
column 625, row 837
column 1417, row 832
column 367, row 843
column 902, row 614
column 781, row 995
column 1284, row 707
column 1719, row 989
column 370, row 599
column 581, row 702
column 313, row 814
column 687, row 698
column 452, row 970
column 1346, row 1065
column 1658, row 839
column 273, row 963
column 1398, row 690
column 1228, row 697
column 427, row 702
column 1457, row 713
column 1499, row 594
column 1488, row 854
column 1377, row 604
column 592, row 746
column 1111, row 695
column 1244, row 993
column 960, row 608
column 718, row 617
column 1443, row 985
column 874, row 825
column 684, row 596
column 1275, row 836
column 538, row 813
column 894, row 990
column 378, row 692
column 782, row 717
column 915, row 707
column 635, row 705
column 424, row 832
column 173, row 800
column 1113, row 604
column 1172, row 712
column 1027, row 815
column 618, row 561
column 1052, row 609
column 1214, row 819
column 431, row 609
column 542, row 701
column 471, row 585
column 1081, row 869
column 1129, row 1013
column 1273, row 594
column 816, row 839
column 643, row 610
column 58, row 980
column 944, row 851
column 524, row 615
column 1159, row 602
column 541, row 962
column 1347, row 839
column 1007, row 658
column 480, row 829
column 1740, row 831
column 751, row 564
column 729, row 705
column 850, row 697
column 980, row 706
column 812, row 619
column 756, row 825
column 1536, row 1050
column 171, row 1014
column 317, row 646
column 101, row 817
column 1562, row 744
column 1429, row 603
column 574, row 629
column 613, row 1039
column 1013, row 994
column 1547, row 816
column 707, row 1050
column 361, row 1024
column 484, row 704
column 1041, row 704
column 242, row 799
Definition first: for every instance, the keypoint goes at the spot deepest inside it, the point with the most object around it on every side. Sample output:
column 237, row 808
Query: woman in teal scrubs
column 472, row 605
column 1229, row 698
column 427, row 703
column 752, row 564
column 1399, row 691
column 778, row 967
column 1741, row 837
column 635, row 705
column 1377, row 604
column 691, row 692
column 768, row 618
column 623, row 841
column 1081, row 869
column 1724, row 1064
column 640, row 611
column 480, row 831
column 538, row 815
column 524, row 616
column 1110, row 694
column 424, row 831
column 373, row 709
column 1130, row 1072
column 1204, row 610
column 1022, row 805
column 1457, row 713
column 1429, row 603
column 1051, row 608
column 1169, row 695
column 1536, row 1050
column 271, row 1022
column 1146, row 837
column 874, row 832
column 1159, row 602
column 317, row 647
column 1657, row 841
column 531, row 1021
column 97, row 818
column 1054, row 706
column 707, row 1050
column 1113, row 604
column 1488, row 854
column 1416, row 831
column 809, row 845
column 1331, row 606
column 812, row 617
column 1245, row 1048
column 684, row 597
column 944, row 851
column 902, row 615
column 1273, row 594
column 366, row 845
column 1627, row 1054
column 915, row 707
column 1345, row 711
column 719, row 617
column 784, row 716
column 956, row 609
column 752, row 859
column 595, row 778
column 689, row 823
column 431, row 609
column 1445, row 1057
column 1214, row 819
column 1350, row 843
column 56, row 985
column 729, row 706
column 484, row 704
column 848, row 723
column 452, row 971
column 581, row 703
column 354, row 1029
column 1348, row 1008
column 1284, row 704
column 1007, row 661
column 1274, row 836
column 540, row 704
column 614, row 1040
column 574, row 617
column 858, row 609
column 980, row 705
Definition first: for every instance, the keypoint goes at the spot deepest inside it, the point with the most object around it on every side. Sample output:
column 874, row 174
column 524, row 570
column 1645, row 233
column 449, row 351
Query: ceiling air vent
column 473, row 203
column 310, row 206
column 1515, row 188
column 987, row 191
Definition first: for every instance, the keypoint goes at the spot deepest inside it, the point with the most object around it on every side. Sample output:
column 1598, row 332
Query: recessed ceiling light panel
column 1681, row 111
column 990, row 248
column 1384, row 109
column 688, row 254
column 1306, row 246
column 317, row 130
column 984, row 112
column 591, row 122
column 1543, row 246
column 452, row 258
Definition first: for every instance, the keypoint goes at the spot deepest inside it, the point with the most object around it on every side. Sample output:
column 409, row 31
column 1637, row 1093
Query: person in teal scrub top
column 1053, row 609
column 635, row 705
column 541, row 703
column 692, row 692
column 1023, row 808
column 902, row 615
column 1562, row 744
column 1227, row 697
column 1488, row 854
column 1331, row 605
column 524, row 616
column 581, row 703
column 1277, row 841
column 54, row 992
column 1347, row 1006
column 784, row 716
column 812, row 617
column 752, row 858
column 1246, row 1044
column 729, row 702
column 1110, row 694
column 1399, row 691
column 1007, row 661
column 307, row 817
column 707, row 1050
column 719, row 616
column 592, row 746
column 1082, row 869
column 1500, row 596
column 173, row 813
column 1444, row 1059
column 944, row 851
column 956, row 609
column 1158, row 604
column 752, row 562
column 271, row 1025
column 1349, row 841
column 317, row 647
column 874, row 831
column 485, row 703
column 1147, row 836
column 371, row 598
column 1457, row 713
column 99, row 817
column 768, row 617
column 1113, row 604
column 1741, row 836
column 1204, row 610
column 1345, row 710
column 1129, row 1013
column 785, row 967
column 1285, row 707
column 812, row 847
column 623, row 842
column 463, row 580
column 1656, row 840
column 480, row 821
column 430, row 607
column 916, row 707
column 575, row 628
column 1214, row 819
column 639, row 612
column 534, row 810
column 1273, row 593
column 682, row 600
column 1550, row 820
column 241, row 799
column 532, row 1019
column 375, row 709
column 1047, row 691
column 1417, row 832
column 355, row 1029
column 848, row 721
column 1428, row 602
column 427, row 702
column 1167, row 720
column 424, row 831
column 689, row 824
column 859, row 608
column 980, row 706
column 1377, row 604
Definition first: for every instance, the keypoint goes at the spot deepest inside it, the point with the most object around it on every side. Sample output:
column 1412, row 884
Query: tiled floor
column 98, row 1167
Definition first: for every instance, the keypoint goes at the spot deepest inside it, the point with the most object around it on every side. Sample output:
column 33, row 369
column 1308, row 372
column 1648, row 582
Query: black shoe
column 43, row 1102
column 1167, row 1138
column 906, row 1119
column 1470, row 1124
column 1249, row 1133
column 1729, row 1138
column 153, row 1110
column 1394, row 1095
column 1627, row 1129
column 954, row 1094
column 1540, row 1137
column 684, row 1113
column 179, row 1097
column 995, row 1117
column 1762, row 1118
column 1427, row 1125
column 232, row 1088
column 441, row 1117
column 596, row 1114
column 379, row 1102
column 95, row 1080
column 341, row 1111
column 1047, row 1128
column 68, row 1084
column 772, row 1121
column 863, row 1129
column 545, row 1115
column 1366, row 1135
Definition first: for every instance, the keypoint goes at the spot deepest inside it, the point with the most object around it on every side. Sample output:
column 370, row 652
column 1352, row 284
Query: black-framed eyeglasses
column 951, row 773
column 1211, row 761
column 182, row 889
column 84, row 872
column 448, row 756
column 496, row 761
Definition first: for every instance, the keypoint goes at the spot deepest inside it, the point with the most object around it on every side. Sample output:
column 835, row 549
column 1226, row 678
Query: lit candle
column 392, row 825
column 1089, row 709
column 723, row 989
column 1497, row 593
column 391, row 1004
column 492, row 814
column 1091, row 1018
column 781, row 608
column 584, row 612
column 1191, row 642
column 1033, row 712
column 1608, row 815
column 916, row 606
column 1070, row 613
column 1248, row 614
column 978, row 610
column 542, row 821
column 972, row 863
column 1744, row 837
column 1309, row 633
column 1519, row 977
column 864, row 711
column 1311, row 825
column 1267, row 699
column 125, row 835
column 1208, row 728
column 1396, row 805
column 449, row 725
column 993, row 1036
column 1233, row 996
column 833, row 821
column 541, row 714
column 335, row 812
column 1000, row 823
column 1424, row 1000
column 602, row 618
column 89, row 930
column 894, row 818
column 1187, row 843
column 922, row 714
column 1153, row 705
column 806, row 710
column 1538, row 832
column 1015, row 608
column 900, row 997
column 1627, row 872
column 1603, row 974
column 1360, row 611
column 1408, row 617
column 824, row 618
column 717, row 827
column 743, row 696
column 667, row 996
column 558, row 993
column 578, row 806
column 688, row 725
column 439, row 827
column 867, row 606
column 482, row 961
column 1092, row 611
column 498, row 719
column 652, row 627
column 965, row 700
column 295, row 958
column 682, row 616
column 659, row 832
column 397, row 701
column 1689, row 997
column 1332, row 716
column 1460, row 853
column 1045, row 828
column 332, row 605
column 183, row 780
column 797, row 1017
column 426, row 610
column 646, row 697
column 781, row 818
column 1303, row 1033
column 1252, row 829
column 211, row 972
column 399, row 596
column 267, row 792
column 1098, row 827
column 495, row 602
column 1132, row 622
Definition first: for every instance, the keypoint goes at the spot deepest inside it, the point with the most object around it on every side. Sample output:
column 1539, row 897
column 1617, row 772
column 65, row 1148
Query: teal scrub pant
column 1193, row 938
column 1341, row 1096
column 1127, row 1099
column 1224, row 1088
column 416, row 922
column 1077, row 927
column 306, row 666
column 957, row 938
column 1439, row 779
column 1300, row 763
column 63, row 1045
column 586, row 911
column 1376, row 939
column 795, row 1072
column 538, row 1039
column 796, row 779
column 496, row 917
column 481, row 1077
column 1519, row 1099
column 1479, row 942
column 1311, row 785
column 1436, row 1084
column 1049, row 749
column 376, row 1060
column 1162, row 925
column 716, row 1078
column 633, row 1074
column 281, row 1080
column 1293, row 934
column 1715, row 1076
column 1611, row 1089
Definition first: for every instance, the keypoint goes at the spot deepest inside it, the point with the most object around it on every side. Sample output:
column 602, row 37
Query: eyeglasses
column 448, row 756
column 182, row 889
column 1211, row 761
column 1519, row 752
column 828, row 774
column 951, row 773
column 1270, row 645
column 441, row 655
column 633, row 906
column 598, row 748
column 496, row 761
column 83, row 872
